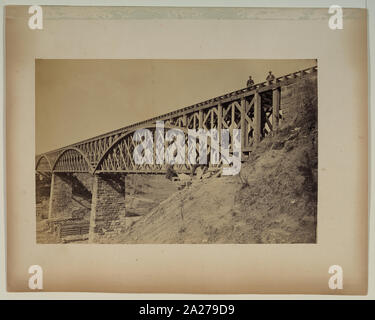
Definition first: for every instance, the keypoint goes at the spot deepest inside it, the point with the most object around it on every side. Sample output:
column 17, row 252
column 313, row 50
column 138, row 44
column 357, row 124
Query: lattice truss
column 114, row 153
column 222, row 116
column 96, row 149
column 251, row 112
column 249, row 109
column 266, row 113
column 43, row 164
column 72, row 160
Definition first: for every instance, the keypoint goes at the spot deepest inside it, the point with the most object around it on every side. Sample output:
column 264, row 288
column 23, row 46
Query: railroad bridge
column 95, row 168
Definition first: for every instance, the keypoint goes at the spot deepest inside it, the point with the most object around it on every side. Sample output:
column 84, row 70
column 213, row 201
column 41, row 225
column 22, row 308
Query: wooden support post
column 243, row 125
column 200, row 117
column 184, row 120
column 154, row 148
column 93, row 209
column 275, row 109
column 51, row 196
column 257, row 117
column 60, row 202
column 219, row 120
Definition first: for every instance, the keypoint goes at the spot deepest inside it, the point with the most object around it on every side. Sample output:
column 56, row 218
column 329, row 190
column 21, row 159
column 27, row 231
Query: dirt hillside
column 272, row 200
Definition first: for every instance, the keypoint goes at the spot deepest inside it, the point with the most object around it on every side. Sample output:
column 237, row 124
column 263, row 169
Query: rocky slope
column 272, row 200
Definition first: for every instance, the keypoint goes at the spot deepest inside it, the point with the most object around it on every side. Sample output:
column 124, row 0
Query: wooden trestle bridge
column 92, row 172
column 254, row 110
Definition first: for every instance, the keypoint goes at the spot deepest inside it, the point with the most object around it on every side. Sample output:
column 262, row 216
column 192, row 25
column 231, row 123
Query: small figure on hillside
column 170, row 172
column 270, row 77
column 250, row 82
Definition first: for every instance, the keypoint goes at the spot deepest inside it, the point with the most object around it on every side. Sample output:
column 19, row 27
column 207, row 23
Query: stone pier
column 61, row 196
column 42, row 193
column 107, row 217
column 70, row 193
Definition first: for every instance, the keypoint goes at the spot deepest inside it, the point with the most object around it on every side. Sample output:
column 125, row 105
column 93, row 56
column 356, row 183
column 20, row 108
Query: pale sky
column 79, row 99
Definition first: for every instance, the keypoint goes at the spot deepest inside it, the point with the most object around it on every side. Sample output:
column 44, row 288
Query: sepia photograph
column 186, row 150
column 176, row 151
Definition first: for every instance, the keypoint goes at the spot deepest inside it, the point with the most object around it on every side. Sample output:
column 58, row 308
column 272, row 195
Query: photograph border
column 38, row 295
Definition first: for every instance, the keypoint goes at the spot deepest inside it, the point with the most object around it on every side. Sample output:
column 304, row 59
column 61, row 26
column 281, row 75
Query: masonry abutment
column 107, row 217
column 61, row 196
column 70, row 195
column 42, row 193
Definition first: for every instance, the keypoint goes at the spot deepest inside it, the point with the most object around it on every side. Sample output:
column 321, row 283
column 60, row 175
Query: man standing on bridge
column 250, row 82
column 270, row 78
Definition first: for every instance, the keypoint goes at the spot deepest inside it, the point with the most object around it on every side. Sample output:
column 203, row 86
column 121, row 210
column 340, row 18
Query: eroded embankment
column 272, row 200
